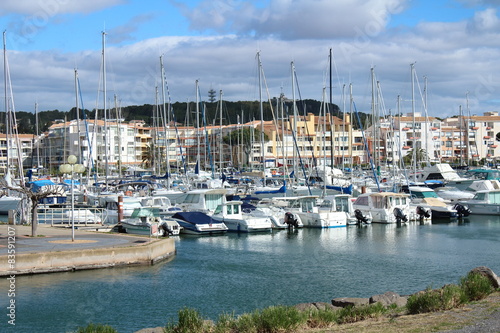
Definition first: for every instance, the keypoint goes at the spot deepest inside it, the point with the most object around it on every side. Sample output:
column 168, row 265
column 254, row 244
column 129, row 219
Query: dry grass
column 423, row 323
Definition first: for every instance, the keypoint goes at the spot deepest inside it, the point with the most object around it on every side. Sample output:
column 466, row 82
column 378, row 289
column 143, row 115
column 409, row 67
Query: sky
column 452, row 45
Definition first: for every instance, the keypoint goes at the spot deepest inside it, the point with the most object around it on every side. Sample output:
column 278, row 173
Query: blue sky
column 455, row 44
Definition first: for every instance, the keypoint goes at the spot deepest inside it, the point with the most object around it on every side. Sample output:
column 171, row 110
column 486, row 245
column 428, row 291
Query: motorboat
column 146, row 221
column 427, row 199
column 308, row 211
column 452, row 194
column 204, row 200
column 199, row 223
column 162, row 203
column 386, row 207
column 231, row 214
column 8, row 203
column 130, row 204
column 486, row 202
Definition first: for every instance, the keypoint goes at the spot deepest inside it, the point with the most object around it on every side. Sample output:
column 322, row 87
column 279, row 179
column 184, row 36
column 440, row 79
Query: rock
column 151, row 330
column 495, row 281
column 350, row 301
column 315, row 306
column 389, row 298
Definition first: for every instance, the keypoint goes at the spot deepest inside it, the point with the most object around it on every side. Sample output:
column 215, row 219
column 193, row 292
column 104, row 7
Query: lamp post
column 72, row 167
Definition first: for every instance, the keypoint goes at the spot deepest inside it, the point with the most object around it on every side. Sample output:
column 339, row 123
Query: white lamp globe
column 72, row 159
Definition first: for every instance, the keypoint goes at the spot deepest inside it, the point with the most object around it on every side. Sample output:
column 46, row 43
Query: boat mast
column 197, row 129
column 332, row 125
column 261, row 106
column 77, row 110
column 37, row 137
column 294, row 104
column 7, row 136
column 221, row 159
column 106, row 144
column 165, row 120
column 414, row 152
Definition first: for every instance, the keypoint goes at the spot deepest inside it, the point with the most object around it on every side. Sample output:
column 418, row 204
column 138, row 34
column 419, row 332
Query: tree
column 34, row 198
column 245, row 137
column 419, row 154
column 211, row 95
column 152, row 156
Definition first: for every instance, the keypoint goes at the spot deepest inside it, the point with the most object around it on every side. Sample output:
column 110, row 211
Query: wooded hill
column 245, row 110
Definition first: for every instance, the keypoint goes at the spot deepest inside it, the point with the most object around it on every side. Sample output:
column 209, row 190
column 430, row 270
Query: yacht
column 386, row 207
column 231, row 214
column 485, row 202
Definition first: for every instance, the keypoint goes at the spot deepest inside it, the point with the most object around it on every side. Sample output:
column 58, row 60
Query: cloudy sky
column 454, row 46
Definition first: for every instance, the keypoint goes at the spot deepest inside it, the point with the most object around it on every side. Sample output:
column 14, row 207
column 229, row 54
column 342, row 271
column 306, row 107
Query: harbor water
column 238, row 273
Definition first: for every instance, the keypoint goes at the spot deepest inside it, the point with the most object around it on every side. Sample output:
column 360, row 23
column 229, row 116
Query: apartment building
column 308, row 140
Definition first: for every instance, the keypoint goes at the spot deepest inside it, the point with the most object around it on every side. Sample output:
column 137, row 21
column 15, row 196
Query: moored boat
column 198, row 223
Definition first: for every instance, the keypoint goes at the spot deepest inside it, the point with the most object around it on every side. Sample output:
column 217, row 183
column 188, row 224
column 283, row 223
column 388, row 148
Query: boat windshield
column 425, row 194
column 342, row 204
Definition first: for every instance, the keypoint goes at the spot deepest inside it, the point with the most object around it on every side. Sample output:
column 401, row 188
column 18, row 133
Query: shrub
column 322, row 318
column 96, row 328
column 225, row 323
column 278, row 319
column 425, row 301
column 353, row 314
column 190, row 321
column 476, row 286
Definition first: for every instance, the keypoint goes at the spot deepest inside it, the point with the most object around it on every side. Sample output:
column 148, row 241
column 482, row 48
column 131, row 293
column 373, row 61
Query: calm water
column 243, row 272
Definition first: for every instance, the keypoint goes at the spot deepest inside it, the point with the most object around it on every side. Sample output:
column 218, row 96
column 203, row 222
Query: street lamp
column 72, row 167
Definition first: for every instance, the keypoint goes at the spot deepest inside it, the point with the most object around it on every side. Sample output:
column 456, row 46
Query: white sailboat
column 9, row 202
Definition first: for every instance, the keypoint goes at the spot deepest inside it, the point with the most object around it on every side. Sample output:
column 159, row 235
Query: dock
column 54, row 251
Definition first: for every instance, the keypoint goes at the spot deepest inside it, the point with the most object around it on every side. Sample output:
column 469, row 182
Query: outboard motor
column 462, row 210
column 290, row 220
column 400, row 216
column 360, row 217
column 422, row 212
column 166, row 229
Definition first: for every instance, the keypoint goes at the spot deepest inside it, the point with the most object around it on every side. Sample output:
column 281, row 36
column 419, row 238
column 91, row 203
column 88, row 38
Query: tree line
column 184, row 113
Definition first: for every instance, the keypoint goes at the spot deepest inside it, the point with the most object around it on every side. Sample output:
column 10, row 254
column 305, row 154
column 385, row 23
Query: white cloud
column 483, row 21
column 54, row 7
column 455, row 57
column 294, row 19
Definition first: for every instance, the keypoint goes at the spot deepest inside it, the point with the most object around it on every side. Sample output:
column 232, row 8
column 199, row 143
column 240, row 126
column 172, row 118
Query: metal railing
column 64, row 215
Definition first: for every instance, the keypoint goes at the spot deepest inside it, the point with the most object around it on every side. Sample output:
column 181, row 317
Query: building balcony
column 406, row 128
column 492, row 146
column 406, row 147
column 487, row 137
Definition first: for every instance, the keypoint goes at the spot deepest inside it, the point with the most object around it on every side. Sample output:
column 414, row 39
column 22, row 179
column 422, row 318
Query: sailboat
column 9, row 202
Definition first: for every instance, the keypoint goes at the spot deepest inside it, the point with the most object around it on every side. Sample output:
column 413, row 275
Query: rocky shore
column 472, row 318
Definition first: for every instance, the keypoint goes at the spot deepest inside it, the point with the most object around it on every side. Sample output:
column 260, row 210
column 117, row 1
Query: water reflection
column 242, row 272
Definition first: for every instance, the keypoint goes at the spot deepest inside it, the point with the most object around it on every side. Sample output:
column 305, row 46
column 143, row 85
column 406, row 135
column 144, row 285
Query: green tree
column 244, row 137
column 152, row 156
column 211, row 95
column 419, row 154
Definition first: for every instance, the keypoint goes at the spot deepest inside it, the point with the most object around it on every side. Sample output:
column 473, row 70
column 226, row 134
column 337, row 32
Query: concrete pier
column 54, row 251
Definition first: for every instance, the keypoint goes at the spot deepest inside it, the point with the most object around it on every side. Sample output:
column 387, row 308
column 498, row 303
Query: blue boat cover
column 342, row 189
column 194, row 217
column 38, row 184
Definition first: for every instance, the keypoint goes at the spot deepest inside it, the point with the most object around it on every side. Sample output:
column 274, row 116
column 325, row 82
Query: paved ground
column 60, row 239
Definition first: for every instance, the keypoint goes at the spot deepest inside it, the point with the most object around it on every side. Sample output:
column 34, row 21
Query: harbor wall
column 72, row 260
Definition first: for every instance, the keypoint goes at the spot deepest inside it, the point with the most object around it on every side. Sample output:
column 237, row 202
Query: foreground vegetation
column 274, row 319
